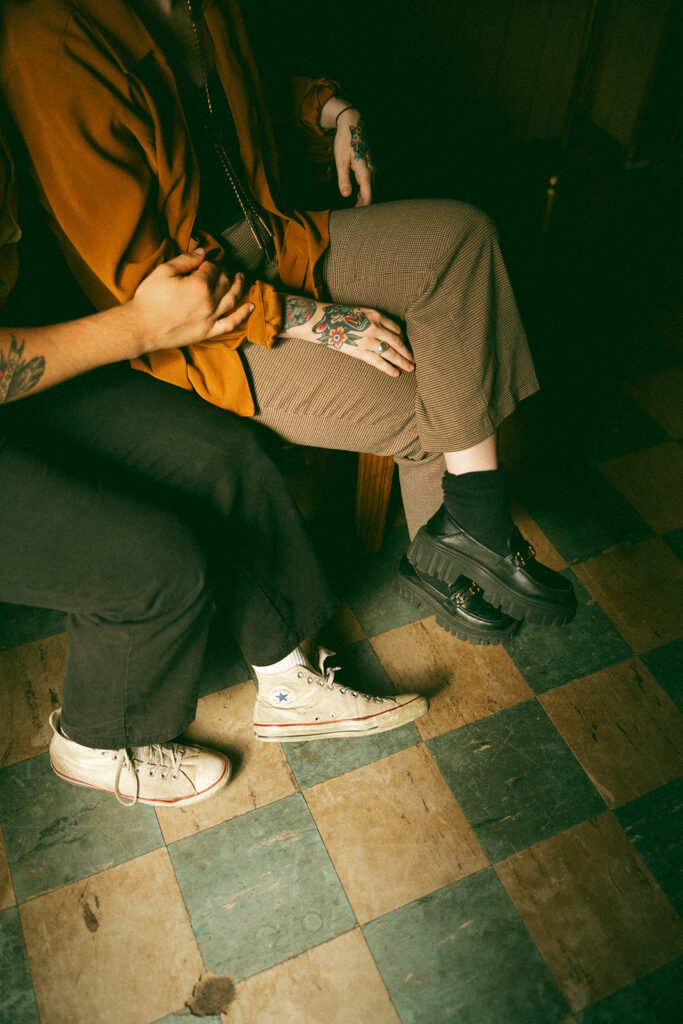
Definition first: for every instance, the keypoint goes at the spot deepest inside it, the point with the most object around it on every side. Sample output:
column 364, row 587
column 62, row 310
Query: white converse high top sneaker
column 163, row 774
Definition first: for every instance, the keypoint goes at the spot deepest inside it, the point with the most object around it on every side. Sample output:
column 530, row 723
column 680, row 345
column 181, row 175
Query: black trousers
column 136, row 507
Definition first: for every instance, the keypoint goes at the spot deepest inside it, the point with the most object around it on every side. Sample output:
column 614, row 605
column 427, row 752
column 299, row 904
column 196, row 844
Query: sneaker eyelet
column 333, row 714
column 300, row 675
column 354, row 694
column 175, row 776
column 151, row 773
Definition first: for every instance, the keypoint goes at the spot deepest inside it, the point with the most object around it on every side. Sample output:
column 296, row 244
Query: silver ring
column 381, row 348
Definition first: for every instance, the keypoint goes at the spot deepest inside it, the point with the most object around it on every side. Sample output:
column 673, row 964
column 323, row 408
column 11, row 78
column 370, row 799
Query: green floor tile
column 370, row 594
column 666, row 665
column 515, row 778
column 578, row 509
column 654, row 999
column 20, row 624
column 260, row 889
column 675, row 541
column 17, row 1002
column 462, row 954
column 56, row 833
column 654, row 824
column 314, row 762
column 549, row 656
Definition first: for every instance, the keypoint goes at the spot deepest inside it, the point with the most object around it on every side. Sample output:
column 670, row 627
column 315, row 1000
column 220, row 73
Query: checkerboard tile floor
column 514, row 857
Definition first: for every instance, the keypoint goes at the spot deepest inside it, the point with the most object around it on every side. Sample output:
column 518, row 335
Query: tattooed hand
column 357, row 331
column 352, row 156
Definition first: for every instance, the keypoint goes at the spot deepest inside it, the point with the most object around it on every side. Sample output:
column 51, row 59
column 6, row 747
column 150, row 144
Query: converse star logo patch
column 281, row 697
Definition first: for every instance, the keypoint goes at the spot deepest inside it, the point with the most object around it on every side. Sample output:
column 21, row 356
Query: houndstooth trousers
column 435, row 266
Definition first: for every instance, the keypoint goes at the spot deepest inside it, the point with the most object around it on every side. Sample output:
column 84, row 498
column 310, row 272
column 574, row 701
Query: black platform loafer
column 459, row 607
column 516, row 583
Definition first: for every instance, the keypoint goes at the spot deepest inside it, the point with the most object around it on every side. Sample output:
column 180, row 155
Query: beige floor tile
column 464, row 682
column 594, row 911
column 7, row 898
column 652, row 481
column 335, row 983
column 394, row 832
column 32, row 678
column 640, row 587
column 622, row 727
column 116, row 948
column 661, row 395
column 261, row 772
column 545, row 552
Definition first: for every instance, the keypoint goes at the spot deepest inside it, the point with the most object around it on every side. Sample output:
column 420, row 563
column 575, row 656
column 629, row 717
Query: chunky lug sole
column 470, row 633
column 383, row 721
column 434, row 559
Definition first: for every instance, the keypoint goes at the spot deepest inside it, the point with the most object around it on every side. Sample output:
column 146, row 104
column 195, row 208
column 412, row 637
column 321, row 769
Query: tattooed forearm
column 17, row 375
column 341, row 325
column 359, row 143
column 298, row 311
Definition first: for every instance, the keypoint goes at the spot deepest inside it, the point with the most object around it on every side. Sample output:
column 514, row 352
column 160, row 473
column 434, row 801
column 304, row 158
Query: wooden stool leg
column 375, row 473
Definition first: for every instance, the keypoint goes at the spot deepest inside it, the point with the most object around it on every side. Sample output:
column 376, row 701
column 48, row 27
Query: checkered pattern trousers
column 435, row 266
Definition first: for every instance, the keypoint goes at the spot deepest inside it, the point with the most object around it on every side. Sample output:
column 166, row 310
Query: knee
column 468, row 223
column 170, row 573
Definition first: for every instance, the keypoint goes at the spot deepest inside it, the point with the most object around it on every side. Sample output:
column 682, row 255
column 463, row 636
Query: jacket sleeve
column 114, row 172
column 9, row 228
column 309, row 96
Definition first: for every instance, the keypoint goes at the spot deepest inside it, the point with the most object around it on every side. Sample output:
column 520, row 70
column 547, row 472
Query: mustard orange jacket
column 97, row 105
column 9, row 228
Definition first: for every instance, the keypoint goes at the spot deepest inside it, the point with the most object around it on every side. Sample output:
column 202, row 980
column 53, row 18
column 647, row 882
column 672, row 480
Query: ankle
column 477, row 502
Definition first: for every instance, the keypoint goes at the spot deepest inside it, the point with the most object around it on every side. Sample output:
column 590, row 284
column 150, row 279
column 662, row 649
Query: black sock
column 477, row 502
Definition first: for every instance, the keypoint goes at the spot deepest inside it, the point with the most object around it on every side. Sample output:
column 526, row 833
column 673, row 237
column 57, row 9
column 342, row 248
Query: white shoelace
column 159, row 757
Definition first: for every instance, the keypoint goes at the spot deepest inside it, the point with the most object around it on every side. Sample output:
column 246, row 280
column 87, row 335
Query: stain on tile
column 213, row 994
column 99, row 959
column 6, row 890
column 56, row 833
column 515, row 779
column 398, row 819
column 654, row 999
column 17, row 1001
column 273, row 891
column 462, row 954
column 666, row 665
column 653, row 483
column 594, row 911
column 32, row 678
column 548, row 656
column 21, row 624
column 622, row 728
column 261, row 773
column 654, row 824
column 464, row 682
column 640, row 587
column 186, row 1017
column 661, row 395
column 334, row 983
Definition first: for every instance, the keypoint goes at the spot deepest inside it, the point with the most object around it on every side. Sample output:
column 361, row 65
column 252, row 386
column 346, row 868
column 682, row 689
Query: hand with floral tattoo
column 351, row 148
column 362, row 333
